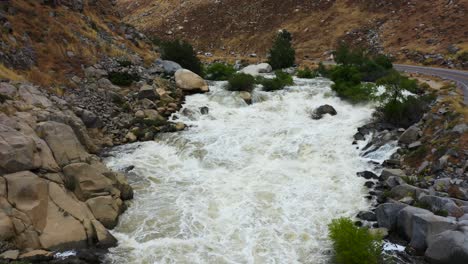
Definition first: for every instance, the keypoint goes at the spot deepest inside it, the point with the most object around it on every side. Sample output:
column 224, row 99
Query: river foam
column 245, row 183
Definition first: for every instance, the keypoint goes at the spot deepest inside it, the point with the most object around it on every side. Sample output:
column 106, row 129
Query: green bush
column 306, row 73
column 241, row 82
column 463, row 56
column 282, row 54
column 125, row 63
column 219, row 72
column 354, row 245
column 281, row 80
column 404, row 112
column 181, row 52
column 123, row 78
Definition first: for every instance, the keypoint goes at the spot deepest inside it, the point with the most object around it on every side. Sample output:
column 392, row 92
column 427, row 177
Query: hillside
column 429, row 32
column 49, row 45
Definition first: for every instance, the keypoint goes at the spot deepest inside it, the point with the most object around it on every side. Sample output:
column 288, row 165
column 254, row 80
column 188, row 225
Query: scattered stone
column 410, row 135
column 368, row 175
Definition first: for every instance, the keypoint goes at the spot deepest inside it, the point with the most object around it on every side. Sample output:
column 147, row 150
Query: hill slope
column 407, row 29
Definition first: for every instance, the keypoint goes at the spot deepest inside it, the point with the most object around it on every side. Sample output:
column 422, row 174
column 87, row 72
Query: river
column 244, row 183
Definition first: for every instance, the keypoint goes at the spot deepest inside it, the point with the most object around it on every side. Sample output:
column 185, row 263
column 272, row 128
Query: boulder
column 367, row 215
column 106, row 209
column 257, row 69
column 449, row 247
column 16, row 151
column 63, row 142
column 367, row 175
column 190, row 82
column 386, row 173
column 405, row 220
column 62, row 231
column 90, row 119
column 438, row 204
column 7, row 89
column 7, row 230
column 104, row 238
column 87, row 181
column 121, row 183
column 32, row 96
column 410, row 135
column 425, row 226
column 404, row 190
column 246, row 96
column 29, row 194
column 36, row 256
column 323, row 110
column 169, row 67
column 10, row 255
column 387, row 214
column 147, row 92
column 67, row 201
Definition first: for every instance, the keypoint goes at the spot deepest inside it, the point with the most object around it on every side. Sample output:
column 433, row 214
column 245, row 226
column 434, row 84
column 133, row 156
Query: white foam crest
column 245, row 184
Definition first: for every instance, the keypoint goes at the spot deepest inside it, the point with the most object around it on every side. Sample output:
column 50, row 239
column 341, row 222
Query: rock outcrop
column 54, row 194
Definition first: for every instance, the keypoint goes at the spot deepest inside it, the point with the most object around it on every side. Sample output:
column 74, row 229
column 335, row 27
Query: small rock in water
column 322, row 110
column 204, row 110
column 367, row 175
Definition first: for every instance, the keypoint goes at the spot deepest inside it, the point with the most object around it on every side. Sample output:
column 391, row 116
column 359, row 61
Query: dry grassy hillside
column 48, row 45
column 404, row 28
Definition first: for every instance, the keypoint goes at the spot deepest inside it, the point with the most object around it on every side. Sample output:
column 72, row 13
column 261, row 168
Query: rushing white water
column 245, row 183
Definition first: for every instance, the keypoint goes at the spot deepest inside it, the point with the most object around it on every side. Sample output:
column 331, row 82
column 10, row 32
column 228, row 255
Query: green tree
column 282, row 54
column 181, row 52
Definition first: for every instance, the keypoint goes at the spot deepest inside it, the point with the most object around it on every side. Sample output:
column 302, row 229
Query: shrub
column 354, row 245
column 306, row 73
column 181, row 52
column 123, row 78
column 403, row 113
column 219, row 71
column 125, row 63
column 282, row 54
column 322, row 70
column 281, row 80
column 463, row 56
column 241, row 82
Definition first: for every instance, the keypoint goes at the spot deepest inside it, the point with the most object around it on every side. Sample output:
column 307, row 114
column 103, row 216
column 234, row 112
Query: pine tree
column 282, row 54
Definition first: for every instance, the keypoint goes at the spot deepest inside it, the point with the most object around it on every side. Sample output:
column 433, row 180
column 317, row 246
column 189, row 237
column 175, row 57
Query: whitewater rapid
column 244, row 183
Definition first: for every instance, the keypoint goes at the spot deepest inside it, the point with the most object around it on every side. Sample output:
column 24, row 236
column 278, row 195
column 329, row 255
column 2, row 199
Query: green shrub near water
column 241, row 82
column 354, row 245
column 219, row 71
column 182, row 53
column 307, row 73
column 281, row 80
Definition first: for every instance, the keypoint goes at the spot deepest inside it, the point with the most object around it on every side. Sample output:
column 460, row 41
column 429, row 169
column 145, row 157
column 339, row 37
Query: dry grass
column 55, row 38
column 8, row 74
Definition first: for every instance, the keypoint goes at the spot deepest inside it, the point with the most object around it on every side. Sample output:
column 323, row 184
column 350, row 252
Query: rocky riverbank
column 420, row 197
column 55, row 193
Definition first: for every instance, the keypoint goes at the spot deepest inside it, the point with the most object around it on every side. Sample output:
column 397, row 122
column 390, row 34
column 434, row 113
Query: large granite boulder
column 87, row 182
column 63, row 142
column 190, row 82
column 257, row 69
column 449, row 247
column 427, row 225
column 387, row 214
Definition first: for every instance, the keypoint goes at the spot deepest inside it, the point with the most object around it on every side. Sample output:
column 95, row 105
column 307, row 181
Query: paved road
column 460, row 77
